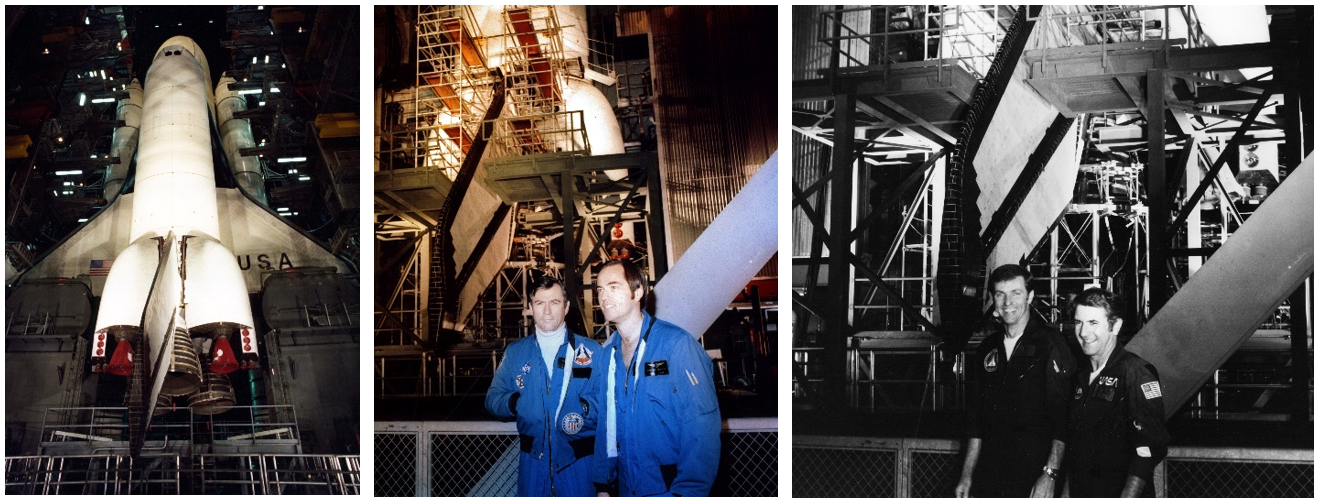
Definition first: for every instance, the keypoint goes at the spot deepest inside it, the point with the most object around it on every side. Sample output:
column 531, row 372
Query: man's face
column 616, row 300
column 549, row 306
column 1011, row 300
column 1096, row 334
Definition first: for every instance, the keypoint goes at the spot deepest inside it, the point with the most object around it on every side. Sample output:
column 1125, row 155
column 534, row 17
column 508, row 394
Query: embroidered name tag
column 1151, row 390
column 1028, row 350
column 657, row 368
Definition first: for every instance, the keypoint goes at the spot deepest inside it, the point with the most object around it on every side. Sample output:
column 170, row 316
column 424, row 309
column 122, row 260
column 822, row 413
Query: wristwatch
column 1053, row 473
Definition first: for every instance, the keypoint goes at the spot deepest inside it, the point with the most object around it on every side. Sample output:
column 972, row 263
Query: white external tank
column 176, row 184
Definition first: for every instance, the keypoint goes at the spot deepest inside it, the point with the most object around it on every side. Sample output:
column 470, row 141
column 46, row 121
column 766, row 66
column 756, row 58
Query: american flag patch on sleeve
column 1151, row 390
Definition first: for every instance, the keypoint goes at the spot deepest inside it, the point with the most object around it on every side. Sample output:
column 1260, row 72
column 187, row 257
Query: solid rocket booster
column 175, row 196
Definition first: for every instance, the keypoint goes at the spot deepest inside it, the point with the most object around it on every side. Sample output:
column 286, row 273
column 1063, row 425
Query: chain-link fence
column 890, row 467
column 472, row 459
column 158, row 474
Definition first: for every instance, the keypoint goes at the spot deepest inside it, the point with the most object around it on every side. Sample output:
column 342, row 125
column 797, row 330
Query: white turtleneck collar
column 550, row 342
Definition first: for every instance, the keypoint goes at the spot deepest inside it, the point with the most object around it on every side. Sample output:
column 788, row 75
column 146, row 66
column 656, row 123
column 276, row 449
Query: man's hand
column 965, row 486
column 1133, row 487
column 1045, row 487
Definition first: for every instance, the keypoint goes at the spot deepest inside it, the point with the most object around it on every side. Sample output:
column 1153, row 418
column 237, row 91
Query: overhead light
column 299, row 159
column 84, row 219
column 45, row 51
column 82, row 99
column 87, row 20
column 285, row 214
column 254, row 60
column 281, row 65
column 304, row 178
column 282, row 209
column 300, row 29
column 54, row 192
column 67, row 193
column 59, row 139
column 249, row 91
column 119, row 46
column 68, row 183
column 103, row 74
column 261, row 104
column 275, row 89
column 64, row 173
column 260, row 7
column 268, row 59
column 103, row 100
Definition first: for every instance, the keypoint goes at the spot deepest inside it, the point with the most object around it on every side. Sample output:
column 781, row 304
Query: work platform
column 1108, row 78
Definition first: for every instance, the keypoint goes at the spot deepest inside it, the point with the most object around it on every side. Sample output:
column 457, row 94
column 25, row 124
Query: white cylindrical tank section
column 176, row 186
column 236, row 134
column 573, row 31
column 598, row 119
column 125, row 140
column 598, row 116
column 215, row 295
column 127, row 285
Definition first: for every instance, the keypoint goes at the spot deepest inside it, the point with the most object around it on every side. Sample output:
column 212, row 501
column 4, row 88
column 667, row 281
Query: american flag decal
column 1151, row 390
column 100, row 267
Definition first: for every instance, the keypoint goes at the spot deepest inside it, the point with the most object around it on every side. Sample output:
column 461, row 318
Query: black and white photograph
column 1052, row 251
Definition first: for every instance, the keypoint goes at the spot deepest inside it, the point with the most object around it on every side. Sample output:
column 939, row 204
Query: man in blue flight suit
column 1018, row 422
column 1117, row 419
column 551, row 384
column 661, row 433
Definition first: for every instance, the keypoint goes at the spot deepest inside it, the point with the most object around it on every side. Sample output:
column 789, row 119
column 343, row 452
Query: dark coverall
column 1117, row 426
column 556, row 452
column 1020, row 406
column 667, row 419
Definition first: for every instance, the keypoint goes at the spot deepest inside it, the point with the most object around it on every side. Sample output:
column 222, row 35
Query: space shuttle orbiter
column 175, row 312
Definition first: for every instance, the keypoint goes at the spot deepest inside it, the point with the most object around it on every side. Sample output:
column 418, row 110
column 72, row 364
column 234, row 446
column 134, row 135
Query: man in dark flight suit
column 1017, row 424
column 1117, row 420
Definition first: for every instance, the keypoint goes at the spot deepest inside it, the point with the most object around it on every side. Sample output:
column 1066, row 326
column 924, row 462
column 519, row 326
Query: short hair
column 1010, row 271
column 546, row 282
column 632, row 273
column 1097, row 297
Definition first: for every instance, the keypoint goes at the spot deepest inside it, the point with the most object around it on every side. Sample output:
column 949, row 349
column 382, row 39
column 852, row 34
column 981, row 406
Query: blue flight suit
column 667, row 420
column 556, row 451
column 1116, row 426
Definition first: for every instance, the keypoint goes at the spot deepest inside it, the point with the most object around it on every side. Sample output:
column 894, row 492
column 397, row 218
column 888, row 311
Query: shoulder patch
column 1151, row 390
column 990, row 363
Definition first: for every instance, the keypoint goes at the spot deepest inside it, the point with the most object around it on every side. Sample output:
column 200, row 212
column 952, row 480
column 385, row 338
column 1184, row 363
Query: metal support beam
column 572, row 237
column 838, row 296
column 1195, row 197
column 1157, row 197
